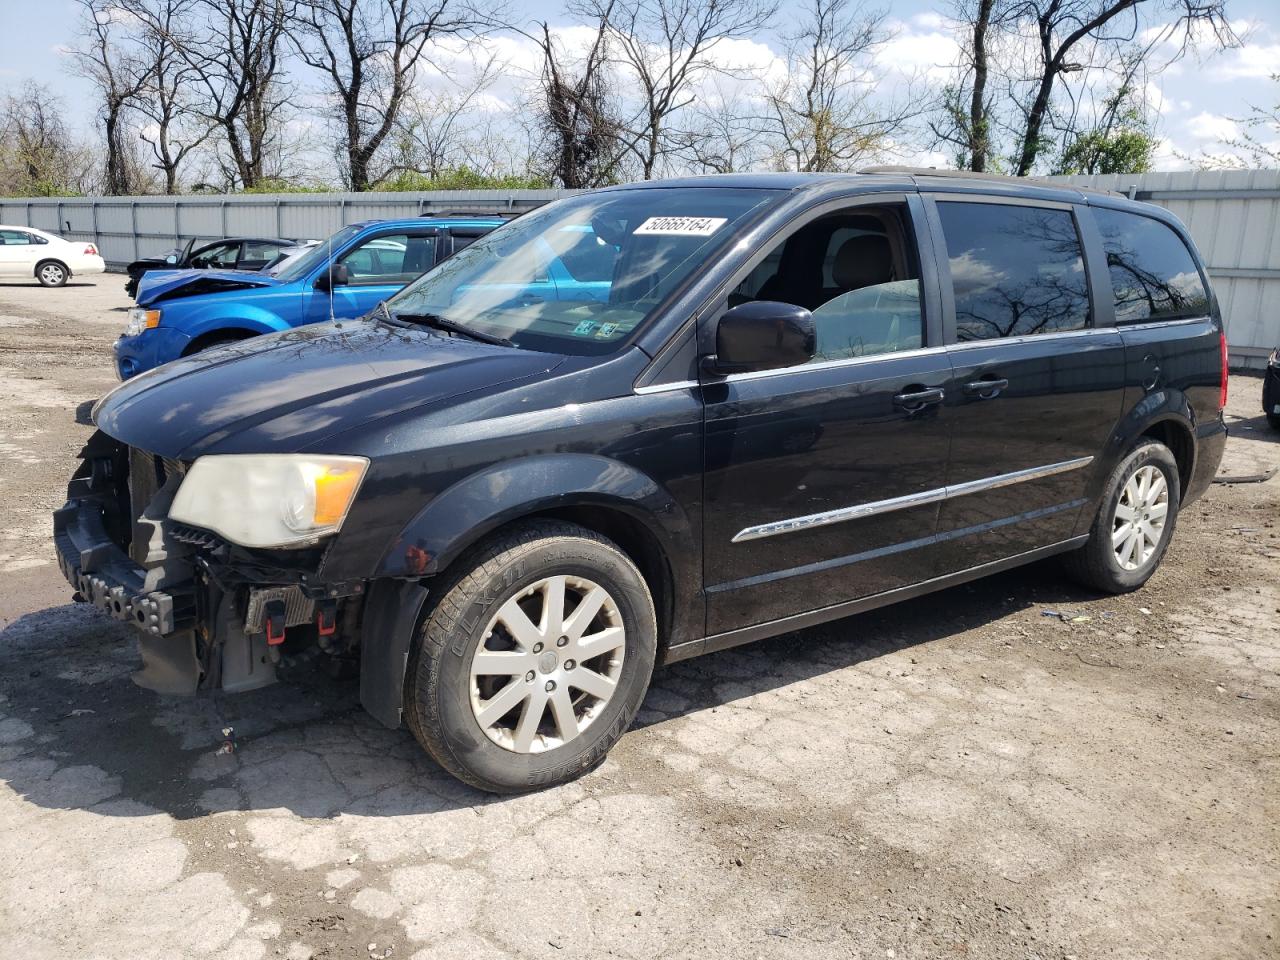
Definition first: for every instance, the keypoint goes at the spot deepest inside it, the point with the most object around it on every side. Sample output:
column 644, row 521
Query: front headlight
column 269, row 500
column 1274, row 359
column 141, row 319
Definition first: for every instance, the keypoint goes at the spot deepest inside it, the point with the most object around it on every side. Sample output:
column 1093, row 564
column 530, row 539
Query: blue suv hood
column 158, row 285
column 285, row 392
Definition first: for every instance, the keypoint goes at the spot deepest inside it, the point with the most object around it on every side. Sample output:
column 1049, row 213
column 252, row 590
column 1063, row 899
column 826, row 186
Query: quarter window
column 1016, row 270
column 1153, row 276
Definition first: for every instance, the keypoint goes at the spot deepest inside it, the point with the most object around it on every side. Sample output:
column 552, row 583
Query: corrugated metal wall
column 125, row 228
column 1234, row 216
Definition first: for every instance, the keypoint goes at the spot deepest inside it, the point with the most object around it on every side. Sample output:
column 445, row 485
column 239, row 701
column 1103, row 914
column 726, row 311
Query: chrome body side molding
column 858, row 511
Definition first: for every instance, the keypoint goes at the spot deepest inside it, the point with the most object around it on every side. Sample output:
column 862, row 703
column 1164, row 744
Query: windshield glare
column 581, row 275
column 299, row 268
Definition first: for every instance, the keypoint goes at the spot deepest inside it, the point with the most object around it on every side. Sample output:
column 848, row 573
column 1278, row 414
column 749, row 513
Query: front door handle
column 986, row 389
column 919, row 399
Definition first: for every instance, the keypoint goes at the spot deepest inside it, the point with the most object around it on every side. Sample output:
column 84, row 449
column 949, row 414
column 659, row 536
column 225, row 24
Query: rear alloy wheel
column 534, row 658
column 1134, row 523
column 52, row 274
column 1137, row 524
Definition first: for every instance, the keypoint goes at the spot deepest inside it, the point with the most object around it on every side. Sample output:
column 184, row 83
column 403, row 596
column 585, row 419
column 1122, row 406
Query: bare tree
column 667, row 45
column 172, row 126
column 233, row 58
column 434, row 129
column 966, row 109
column 824, row 115
column 722, row 133
column 578, row 109
column 368, row 52
column 110, row 59
column 1257, row 144
column 37, row 154
column 1065, row 29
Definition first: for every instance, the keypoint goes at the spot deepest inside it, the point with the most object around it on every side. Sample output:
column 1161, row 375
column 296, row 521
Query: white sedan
column 28, row 252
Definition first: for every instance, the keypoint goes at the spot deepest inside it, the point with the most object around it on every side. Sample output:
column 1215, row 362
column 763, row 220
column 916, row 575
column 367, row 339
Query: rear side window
column 1016, row 270
column 15, row 238
column 1153, row 276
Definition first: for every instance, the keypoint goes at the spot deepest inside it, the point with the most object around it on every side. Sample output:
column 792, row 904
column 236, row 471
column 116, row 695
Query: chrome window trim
column 1032, row 337
column 832, row 364
column 666, row 387
column 936, row 495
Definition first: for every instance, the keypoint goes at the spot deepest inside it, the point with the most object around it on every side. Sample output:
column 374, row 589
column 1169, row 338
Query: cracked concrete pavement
column 979, row 773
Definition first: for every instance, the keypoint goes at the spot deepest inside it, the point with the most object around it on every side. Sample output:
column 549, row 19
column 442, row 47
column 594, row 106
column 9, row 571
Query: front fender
column 237, row 316
column 484, row 501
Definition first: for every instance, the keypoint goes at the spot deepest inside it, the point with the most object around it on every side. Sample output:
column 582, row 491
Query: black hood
column 285, row 392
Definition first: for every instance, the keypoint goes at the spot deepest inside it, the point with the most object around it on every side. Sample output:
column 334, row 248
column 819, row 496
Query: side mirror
column 764, row 335
column 337, row 276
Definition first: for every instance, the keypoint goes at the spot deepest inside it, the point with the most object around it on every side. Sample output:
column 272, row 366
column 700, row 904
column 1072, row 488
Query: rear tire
column 533, row 660
column 51, row 273
column 1135, row 522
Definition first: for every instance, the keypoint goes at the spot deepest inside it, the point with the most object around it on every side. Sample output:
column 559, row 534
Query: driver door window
column 220, row 257
column 856, row 271
column 393, row 258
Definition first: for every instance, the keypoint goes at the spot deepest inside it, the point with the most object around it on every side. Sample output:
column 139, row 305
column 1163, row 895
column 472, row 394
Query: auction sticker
column 680, row 226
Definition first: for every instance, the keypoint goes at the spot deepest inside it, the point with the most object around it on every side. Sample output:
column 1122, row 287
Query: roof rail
column 472, row 212
column 973, row 175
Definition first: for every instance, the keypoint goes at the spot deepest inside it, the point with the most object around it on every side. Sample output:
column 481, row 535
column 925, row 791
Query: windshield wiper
column 437, row 322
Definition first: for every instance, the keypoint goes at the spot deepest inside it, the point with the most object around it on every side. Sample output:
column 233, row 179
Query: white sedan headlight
column 141, row 319
column 269, row 500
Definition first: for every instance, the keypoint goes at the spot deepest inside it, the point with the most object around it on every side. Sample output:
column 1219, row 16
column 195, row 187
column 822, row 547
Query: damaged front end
column 210, row 614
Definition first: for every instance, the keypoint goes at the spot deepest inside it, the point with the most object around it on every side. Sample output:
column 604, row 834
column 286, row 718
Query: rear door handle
column 986, row 389
column 917, row 399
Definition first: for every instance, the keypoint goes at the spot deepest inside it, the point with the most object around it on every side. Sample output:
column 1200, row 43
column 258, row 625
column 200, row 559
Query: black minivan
column 756, row 402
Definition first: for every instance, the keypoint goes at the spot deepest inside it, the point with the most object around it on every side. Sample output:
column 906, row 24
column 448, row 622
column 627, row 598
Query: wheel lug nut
column 537, row 648
column 569, row 664
column 551, row 685
column 529, row 676
column 562, row 642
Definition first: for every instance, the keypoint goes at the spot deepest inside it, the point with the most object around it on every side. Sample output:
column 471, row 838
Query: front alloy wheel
column 548, row 664
column 533, row 659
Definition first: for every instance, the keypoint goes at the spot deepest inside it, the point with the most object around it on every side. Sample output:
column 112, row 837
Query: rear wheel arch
column 1179, row 437
column 45, row 261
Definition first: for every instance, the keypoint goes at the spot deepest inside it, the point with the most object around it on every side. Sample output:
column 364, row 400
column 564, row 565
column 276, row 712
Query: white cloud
column 1211, row 126
column 930, row 52
column 1250, row 61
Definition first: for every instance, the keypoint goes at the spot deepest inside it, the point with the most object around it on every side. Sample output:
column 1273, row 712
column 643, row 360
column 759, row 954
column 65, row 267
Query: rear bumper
column 1211, row 441
column 135, row 355
column 86, row 265
column 1271, row 392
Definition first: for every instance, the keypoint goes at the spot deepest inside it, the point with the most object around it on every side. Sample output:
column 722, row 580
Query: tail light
column 90, row 250
column 1222, row 396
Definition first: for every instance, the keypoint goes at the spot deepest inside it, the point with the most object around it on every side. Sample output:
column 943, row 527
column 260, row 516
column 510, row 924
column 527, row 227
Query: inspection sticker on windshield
column 680, row 226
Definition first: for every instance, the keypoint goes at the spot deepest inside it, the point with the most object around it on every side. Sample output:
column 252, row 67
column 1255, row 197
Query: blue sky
column 1197, row 96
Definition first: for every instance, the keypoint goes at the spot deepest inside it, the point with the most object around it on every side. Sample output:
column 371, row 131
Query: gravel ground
column 1010, row 769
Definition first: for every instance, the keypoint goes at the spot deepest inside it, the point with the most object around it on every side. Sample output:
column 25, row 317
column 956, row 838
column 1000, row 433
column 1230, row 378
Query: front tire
column 52, row 274
column 1135, row 522
column 534, row 659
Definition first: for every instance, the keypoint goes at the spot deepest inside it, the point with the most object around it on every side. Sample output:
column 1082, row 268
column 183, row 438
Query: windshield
column 299, row 268
column 580, row 275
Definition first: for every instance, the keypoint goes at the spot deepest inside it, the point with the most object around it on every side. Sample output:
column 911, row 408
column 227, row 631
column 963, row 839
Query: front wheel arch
column 217, row 337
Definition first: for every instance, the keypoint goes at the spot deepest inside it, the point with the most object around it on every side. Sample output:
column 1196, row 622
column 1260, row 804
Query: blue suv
column 182, row 313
